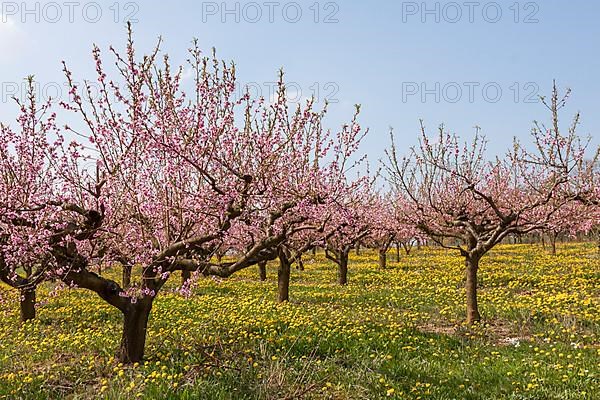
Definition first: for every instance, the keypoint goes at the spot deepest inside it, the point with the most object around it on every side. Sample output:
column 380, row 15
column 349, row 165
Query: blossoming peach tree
column 29, row 199
column 154, row 180
column 464, row 201
column 350, row 224
column 388, row 227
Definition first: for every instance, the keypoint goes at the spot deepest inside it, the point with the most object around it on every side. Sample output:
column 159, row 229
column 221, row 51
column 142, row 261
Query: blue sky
column 460, row 63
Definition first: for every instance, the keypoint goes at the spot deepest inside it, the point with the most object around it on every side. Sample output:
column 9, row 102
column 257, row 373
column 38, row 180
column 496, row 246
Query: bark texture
column 343, row 268
column 283, row 277
column 382, row 258
column 262, row 270
column 133, row 339
column 27, row 304
column 472, row 266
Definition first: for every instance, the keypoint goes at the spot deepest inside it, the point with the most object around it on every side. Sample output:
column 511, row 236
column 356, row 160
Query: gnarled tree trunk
column 553, row 237
column 27, row 304
column 283, row 277
column 343, row 267
column 262, row 270
column 382, row 258
column 135, row 323
column 472, row 266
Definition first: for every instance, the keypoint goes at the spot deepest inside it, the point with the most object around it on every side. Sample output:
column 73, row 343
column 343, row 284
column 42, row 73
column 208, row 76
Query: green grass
column 389, row 334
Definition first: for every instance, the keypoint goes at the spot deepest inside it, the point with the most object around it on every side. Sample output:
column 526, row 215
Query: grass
column 388, row 334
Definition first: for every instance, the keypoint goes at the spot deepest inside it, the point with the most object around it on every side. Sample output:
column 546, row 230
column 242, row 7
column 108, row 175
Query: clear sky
column 461, row 63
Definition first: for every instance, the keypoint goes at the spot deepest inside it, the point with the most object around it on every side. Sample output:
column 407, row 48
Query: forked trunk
column 126, row 276
column 382, row 258
column 472, row 265
column 133, row 340
column 262, row 270
column 27, row 304
column 343, row 268
column 283, row 278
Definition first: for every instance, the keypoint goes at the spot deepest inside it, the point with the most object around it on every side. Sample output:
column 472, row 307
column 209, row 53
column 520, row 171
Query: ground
column 393, row 333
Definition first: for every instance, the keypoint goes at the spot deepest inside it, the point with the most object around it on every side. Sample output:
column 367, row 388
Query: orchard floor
column 391, row 333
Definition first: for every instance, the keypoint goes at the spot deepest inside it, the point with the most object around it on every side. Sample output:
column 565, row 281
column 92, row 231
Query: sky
column 464, row 63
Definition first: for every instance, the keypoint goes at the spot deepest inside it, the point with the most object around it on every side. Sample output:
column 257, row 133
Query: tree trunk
column 126, row 276
column 314, row 251
column 398, row 252
column 382, row 258
column 343, row 268
column 262, row 270
column 27, row 304
column 185, row 276
column 357, row 249
column 283, row 278
column 299, row 263
column 472, row 265
column 133, row 340
column 553, row 243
